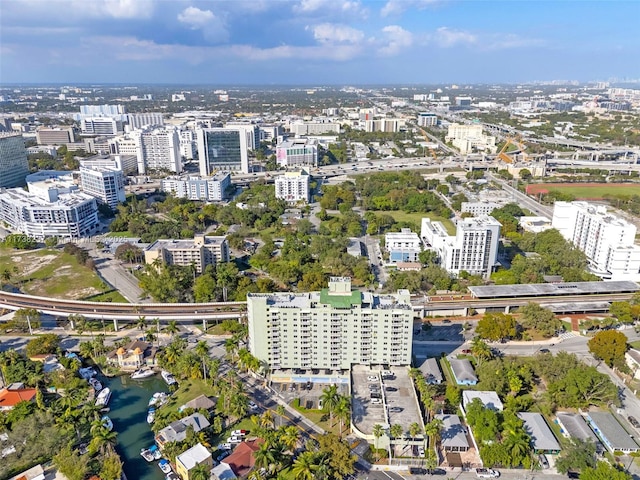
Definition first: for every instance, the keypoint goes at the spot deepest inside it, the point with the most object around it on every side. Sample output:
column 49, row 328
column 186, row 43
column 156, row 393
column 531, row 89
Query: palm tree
column 329, row 399
column 343, row 410
column 432, row 430
column 171, row 328
column 150, row 336
column 280, row 410
column 264, row 456
column 200, row 472
column 396, row 431
column 430, row 460
column 517, row 444
column 378, row 431
column 202, row 350
column 103, row 440
column 142, row 323
column 290, row 437
column 304, row 466
column 267, row 420
column 480, row 350
column 414, row 430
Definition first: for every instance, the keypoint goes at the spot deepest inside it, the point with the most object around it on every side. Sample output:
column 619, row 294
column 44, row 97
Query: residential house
column 609, row 430
column 177, row 431
column 488, row 399
column 201, row 402
column 242, row 460
column 34, row 473
column 463, row 371
column 188, row 460
column 632, row 358
column 431, row 371
column 573, row 425
column 222, row 472
column 14, row 394
column 453, row 436
column 542, row 438
column 135, row 355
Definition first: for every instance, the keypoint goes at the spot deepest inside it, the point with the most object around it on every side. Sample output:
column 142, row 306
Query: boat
column 142, row 373
column 103, row 397
column 147, row 454
column 168, row 377
column 158, row 399
column 151, row 415
column 155, row 451
column 95, row 383
column 87, row 373
column 165, row 466
column 106, row 421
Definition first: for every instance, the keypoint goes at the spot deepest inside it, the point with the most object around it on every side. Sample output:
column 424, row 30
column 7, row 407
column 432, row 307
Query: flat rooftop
column 552, row 289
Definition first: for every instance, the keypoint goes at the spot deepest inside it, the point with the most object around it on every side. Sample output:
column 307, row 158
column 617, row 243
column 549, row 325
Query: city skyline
column 316, row 41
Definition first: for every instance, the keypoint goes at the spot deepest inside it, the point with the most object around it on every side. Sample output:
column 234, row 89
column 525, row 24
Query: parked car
column 544, row 463
column 396, row 409
column 633, row 421
column 421, row 452
column 223, row 455
column 391, row 389
column 253, row 406
column 545, row 350
column 446, row 320
column 372, row 378
column 309, row 385
column 234, row 439
column 376, row 401
column 466, row 351
column 239, row 433
column 225, row 446
column 487, row 473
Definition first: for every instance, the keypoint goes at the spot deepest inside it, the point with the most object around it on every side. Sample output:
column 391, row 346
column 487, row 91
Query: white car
column 376, row 401
column 225, row 446
column 372, row 378
column 421, row 452
column 239, row 433
column 253, row 406
column 234, row 439
column 487, row 473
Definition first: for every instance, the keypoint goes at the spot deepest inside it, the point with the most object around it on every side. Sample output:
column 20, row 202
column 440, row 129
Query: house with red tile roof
column 242, row 460
column 14, row 394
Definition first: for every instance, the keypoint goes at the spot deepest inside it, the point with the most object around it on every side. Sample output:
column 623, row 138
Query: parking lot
column 401, row 401
column 451, row 332
column 384, row 401
column 307, row 387
column 364, row 413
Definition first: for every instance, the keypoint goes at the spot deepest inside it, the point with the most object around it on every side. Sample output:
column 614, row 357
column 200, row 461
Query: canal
column 128, row 411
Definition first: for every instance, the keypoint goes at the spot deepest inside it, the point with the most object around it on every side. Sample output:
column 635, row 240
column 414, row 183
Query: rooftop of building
column 194, row 456
column 186, row 244
column 553, row 289
column 463, row 370
column 576, row 427
column 297, row 142
column 452, row 433
column 21, row 198
column 489, row 399
column 217, row 176
column 606, row 425
column 542, row 438
column 478, row 222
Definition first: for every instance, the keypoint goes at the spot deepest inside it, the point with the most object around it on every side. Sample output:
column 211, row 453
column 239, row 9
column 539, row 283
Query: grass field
column 51, row 273
column 416, row 218
column 586, row 191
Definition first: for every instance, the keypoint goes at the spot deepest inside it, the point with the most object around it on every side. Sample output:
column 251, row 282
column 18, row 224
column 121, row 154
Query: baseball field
column 586, row 191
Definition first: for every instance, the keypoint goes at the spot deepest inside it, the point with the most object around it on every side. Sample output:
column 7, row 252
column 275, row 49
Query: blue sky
column 317, row 41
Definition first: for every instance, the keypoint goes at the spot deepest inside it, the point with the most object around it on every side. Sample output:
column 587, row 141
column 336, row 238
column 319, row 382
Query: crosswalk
column 566, row 335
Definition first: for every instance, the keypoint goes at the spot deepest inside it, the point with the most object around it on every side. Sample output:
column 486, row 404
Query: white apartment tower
column 473, row 249
column 104, row 183
column 331, row 329
column 14, row 166
column 160, row 150
column 208, row 189
column 606, row 240
column 293, row 187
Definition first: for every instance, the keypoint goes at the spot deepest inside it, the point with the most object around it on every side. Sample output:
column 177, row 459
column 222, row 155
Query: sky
column 317, row 42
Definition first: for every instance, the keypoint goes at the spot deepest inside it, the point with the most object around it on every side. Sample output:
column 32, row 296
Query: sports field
column 586, row 191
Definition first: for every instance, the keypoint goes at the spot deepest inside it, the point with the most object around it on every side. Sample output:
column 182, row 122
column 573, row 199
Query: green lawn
column 416, row 218
column 111, row 296
column 51, row 272
column 595, row 191
column 635, row 344
column 321, row 419
column 188, row 390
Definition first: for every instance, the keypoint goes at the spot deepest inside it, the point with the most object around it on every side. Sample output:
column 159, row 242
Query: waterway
column 128, row 411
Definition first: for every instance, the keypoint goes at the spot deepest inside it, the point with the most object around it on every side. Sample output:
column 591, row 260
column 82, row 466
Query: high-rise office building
column 251, row 131
column 222, row 149
column 155, row 149
column 105, row 184
column 331, row 329
column 100, row 126
column 14, row 166
column 606, row 240
column 55, row 136
column 141, row 120
column 299, row 152
column 98, row 110
column 188, row 144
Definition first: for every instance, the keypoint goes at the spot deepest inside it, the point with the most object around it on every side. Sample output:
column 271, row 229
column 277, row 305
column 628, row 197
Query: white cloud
column 396, row 39
column 66, row 10
column 132, row 48
column 329, row 33
column 211, row 25
column 447, row 37
column 396, row 7
column 332, row 7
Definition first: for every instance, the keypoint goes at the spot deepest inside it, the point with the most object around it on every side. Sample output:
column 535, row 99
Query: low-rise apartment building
column 201, row 251
column 293, row 187
column 403, row 246
column 208, row 189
